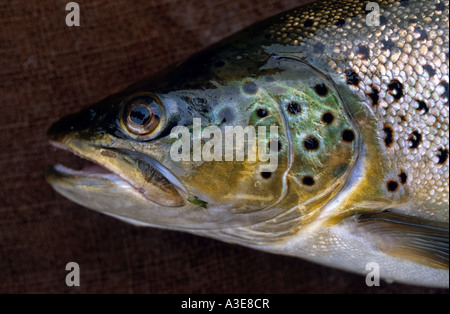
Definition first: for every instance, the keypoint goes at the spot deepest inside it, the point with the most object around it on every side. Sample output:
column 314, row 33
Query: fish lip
column 110, row 173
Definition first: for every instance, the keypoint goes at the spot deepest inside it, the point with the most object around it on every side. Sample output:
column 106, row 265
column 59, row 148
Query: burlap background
column 48, row 70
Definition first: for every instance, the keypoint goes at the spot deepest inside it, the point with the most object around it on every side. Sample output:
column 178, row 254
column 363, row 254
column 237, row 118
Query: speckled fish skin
column 363, row 139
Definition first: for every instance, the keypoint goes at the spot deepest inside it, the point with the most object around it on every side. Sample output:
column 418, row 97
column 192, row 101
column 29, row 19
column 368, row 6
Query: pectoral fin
column 419, row 240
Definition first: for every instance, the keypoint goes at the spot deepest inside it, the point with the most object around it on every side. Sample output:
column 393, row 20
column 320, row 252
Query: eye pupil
column 140, row 114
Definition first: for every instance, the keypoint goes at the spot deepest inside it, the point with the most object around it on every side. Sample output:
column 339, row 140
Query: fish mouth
column 104, row 167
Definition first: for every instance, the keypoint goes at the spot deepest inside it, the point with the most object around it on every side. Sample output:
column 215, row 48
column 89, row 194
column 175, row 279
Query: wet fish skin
column 362, row 113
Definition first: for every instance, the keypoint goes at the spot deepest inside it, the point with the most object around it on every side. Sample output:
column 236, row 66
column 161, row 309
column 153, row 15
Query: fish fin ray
column 420, row 240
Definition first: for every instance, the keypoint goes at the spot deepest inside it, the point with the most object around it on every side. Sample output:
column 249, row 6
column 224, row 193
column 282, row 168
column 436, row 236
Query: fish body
column 351, row 103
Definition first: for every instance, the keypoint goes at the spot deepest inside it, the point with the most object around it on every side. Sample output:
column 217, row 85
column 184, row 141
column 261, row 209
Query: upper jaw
column 117, row 166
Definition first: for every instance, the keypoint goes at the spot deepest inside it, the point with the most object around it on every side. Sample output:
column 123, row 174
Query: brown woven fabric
column 48, row 70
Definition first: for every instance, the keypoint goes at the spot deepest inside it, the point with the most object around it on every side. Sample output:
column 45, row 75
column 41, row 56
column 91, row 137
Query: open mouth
column 117, row 165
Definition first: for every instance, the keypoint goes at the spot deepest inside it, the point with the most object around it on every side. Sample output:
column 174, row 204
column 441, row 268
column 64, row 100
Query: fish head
column 208, row 145
column 162, row 155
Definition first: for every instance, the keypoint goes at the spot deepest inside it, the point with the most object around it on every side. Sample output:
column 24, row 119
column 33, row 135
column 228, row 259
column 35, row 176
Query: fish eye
column 142, row 115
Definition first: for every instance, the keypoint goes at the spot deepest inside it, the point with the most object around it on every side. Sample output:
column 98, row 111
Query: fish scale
column 410, row 46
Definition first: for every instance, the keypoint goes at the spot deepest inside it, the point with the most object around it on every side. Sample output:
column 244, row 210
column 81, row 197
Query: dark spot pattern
column 363, row 52
column 431, row 72
column 308, row 180
column 392, row 185
column 340, row 22
column 311, row 143
column 403, row 177
column 226, row 115
column 444, row 95
column 261, row 112
column 374, row 96
column 387, row 44
column 404, row 3
column 348, row 136
column 294, row 108
column 327, row 118
column 276, row 144
column 321, row 89
column 352, row 77
column 389, row 135
column 412, row 21
column 422, row 107
column 422, row 33
column 319, row 48
column 250, row 88
column 442, row 155
column 309, row 23
column 440, row 6
column 266, row 174
column 383, row 20
column 415, row 139
column 395, row 88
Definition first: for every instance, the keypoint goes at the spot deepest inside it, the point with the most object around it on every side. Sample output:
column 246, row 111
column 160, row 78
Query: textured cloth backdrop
column 48, row 70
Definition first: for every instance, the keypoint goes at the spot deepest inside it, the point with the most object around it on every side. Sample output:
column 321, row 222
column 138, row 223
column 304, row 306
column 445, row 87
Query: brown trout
column 338, row 153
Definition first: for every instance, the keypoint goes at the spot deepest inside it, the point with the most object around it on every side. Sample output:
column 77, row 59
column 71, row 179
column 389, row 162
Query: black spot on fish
column 392, row 185
column 395, row 88
column 442, row 155
column 440, row 6
column 309, row 23
column 444, row 95
column 308, row 180
column 275, row 144
column 348, row 136
column 422, row 106
column 383, row 20
column 421, row 32
column 429, row 69
column 387, row 44
column 352, row 77
column 374, row 96
column 266, row 174
column 389, row 135
column 294, row 108
column 412, row 21
column 403, row 177
column 415, row 139
column 404, row 3
column 363, row 52
column 261, row 112
column 250, row 88
column 311, row 143
column 321, row 89
column 327, row 118
column 226, row 115
column 319, row 48
column 340, row 22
